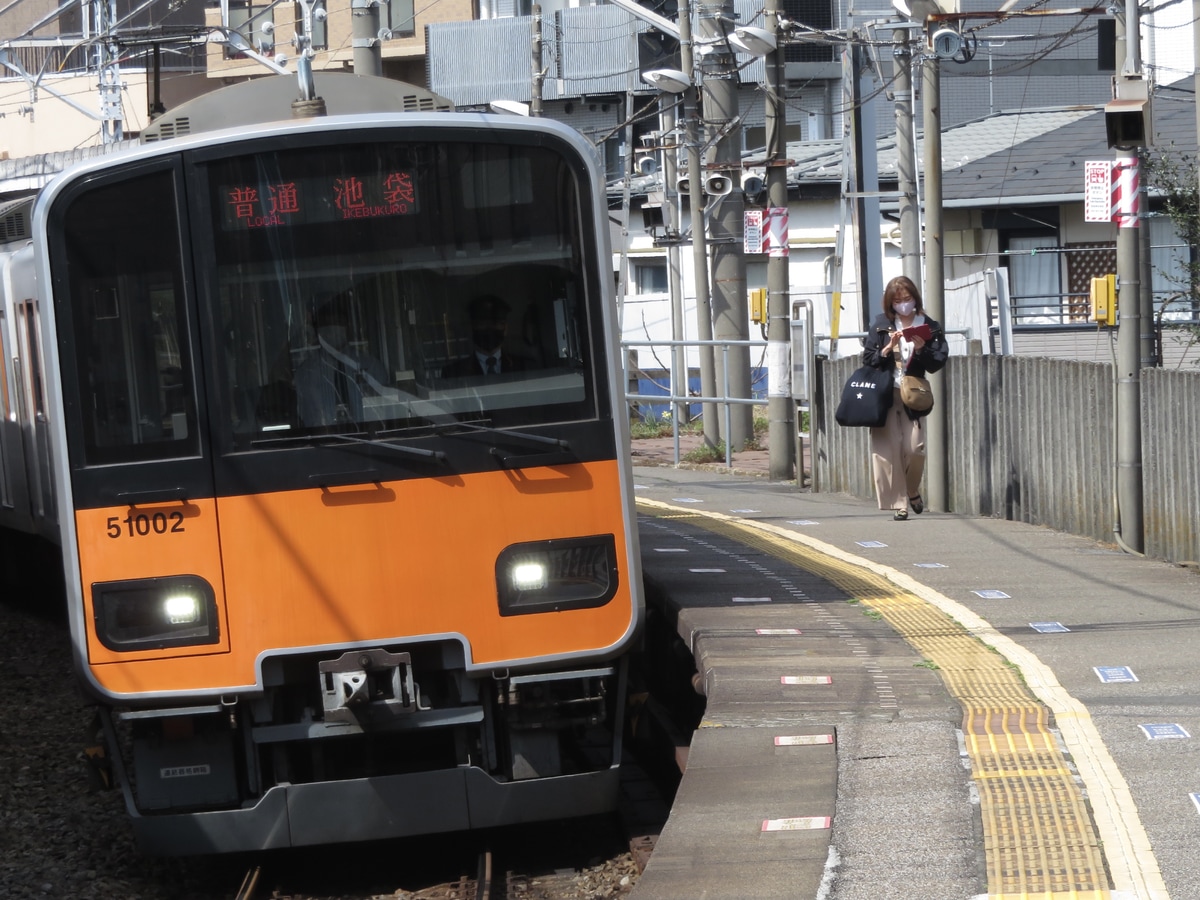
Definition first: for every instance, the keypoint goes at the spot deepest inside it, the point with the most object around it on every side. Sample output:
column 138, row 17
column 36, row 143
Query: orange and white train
column 328, row 578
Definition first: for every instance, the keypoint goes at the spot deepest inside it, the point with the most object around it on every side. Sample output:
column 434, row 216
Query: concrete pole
column 108, row 63
column 936, row 491
column 906, row 163
column 535, row 103
column 1129, row 326
column 364, row 37
column 731, row 318
column 672, row 225
column 869, row 258
column 780, row 407
column 704, row 324
column 1146, row 346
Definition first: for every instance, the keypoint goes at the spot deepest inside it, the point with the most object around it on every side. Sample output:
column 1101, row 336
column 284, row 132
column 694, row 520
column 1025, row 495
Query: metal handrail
column 675, row 399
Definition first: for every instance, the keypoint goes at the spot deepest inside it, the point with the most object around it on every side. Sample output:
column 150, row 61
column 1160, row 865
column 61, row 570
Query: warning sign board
column 752, row 242
column 1097, row 191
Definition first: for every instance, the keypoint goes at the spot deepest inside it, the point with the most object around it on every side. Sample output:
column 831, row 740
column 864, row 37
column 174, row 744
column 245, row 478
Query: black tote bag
column 866, row 398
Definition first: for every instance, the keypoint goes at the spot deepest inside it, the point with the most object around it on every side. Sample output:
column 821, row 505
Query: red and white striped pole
column 1125, row 186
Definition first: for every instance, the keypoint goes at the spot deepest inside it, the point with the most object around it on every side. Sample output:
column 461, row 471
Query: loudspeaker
column 718, row 185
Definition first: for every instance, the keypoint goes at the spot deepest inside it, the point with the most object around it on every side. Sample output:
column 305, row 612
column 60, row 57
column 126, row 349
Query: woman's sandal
column 917, row 504
column 900, row 515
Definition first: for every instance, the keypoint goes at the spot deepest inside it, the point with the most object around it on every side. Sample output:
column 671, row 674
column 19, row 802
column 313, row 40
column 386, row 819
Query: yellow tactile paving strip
column 1040, row 838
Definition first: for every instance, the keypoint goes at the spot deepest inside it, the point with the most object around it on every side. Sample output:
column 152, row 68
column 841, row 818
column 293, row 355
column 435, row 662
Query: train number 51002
column 142, row 524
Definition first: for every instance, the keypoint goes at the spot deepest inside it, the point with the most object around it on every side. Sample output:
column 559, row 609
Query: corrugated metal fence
column 1031, row 439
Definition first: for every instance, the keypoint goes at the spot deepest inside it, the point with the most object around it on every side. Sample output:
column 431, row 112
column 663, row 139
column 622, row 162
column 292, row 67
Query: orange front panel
column 125, row 543
column 381, row 563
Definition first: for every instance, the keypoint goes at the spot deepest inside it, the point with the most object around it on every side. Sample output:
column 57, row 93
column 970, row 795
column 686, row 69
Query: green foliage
column 706, row 453
column 649, row 427
column 1175, row 177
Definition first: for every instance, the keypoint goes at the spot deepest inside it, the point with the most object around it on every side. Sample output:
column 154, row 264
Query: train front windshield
column 380, row 287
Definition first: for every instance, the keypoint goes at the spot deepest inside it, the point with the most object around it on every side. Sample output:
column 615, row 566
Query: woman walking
column 897, row 339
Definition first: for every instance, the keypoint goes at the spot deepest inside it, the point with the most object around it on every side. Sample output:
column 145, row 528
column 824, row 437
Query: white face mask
column 905, row 307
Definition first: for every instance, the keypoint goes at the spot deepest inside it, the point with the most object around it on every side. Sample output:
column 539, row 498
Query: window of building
column 249, row 20
column 815, row 14
column 650, row 277
column 1035, row 280
column 318, row 27
column 1170, row 272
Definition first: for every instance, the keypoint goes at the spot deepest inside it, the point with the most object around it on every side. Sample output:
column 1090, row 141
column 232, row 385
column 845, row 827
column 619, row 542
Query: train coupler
column 368, row 679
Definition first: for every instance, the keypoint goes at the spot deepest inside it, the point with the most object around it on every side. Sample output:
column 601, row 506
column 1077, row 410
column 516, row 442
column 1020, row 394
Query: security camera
column 753, row 187
column 947, row 43
column 647, row 165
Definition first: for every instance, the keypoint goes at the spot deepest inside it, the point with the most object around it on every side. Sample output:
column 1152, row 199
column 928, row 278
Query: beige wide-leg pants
column 898, row 457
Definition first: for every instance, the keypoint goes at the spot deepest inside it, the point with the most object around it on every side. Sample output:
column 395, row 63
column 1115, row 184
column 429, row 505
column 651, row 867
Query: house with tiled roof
column 1018, row 250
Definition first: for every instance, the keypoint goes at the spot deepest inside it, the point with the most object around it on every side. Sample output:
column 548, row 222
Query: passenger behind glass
column 333, row 379
column 488, row 316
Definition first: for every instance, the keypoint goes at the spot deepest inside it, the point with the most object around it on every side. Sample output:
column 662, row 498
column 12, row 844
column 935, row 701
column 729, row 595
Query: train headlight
column 551, row 576
column 182, row 609
column 152, row 613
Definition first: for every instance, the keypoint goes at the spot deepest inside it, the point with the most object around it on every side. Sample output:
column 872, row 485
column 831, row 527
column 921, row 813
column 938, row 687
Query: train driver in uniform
column 488, row 315
column 332, row 381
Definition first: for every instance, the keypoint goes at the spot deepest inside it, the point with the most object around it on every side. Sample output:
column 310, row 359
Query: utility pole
column 869, row 261
column 108, row 67
column 672, row 215
column 781, row 435
column 1129, row 525
column 704, row 323
column 364, row 37
column 906, row 163
column 731, row 320
column 535, row 104
column 936, row 471
column 1147, row 347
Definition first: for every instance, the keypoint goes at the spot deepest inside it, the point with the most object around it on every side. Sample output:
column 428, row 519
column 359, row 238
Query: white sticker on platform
column 1164, row 732
column 751, row 599
column 992, row 595
column 802, row 740
column 777, row 631
column 707, row 571
column 670, row 549
column 1114, row 674
column 1049, row 627
column 802, row 522
column 805, row 679
column 800, row 823
column 686, row 500
column 745, row 510
column 931, row 565
column 871, row 544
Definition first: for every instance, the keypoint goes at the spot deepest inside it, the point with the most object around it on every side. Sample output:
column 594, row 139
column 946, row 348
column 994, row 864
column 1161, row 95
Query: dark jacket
column 931, row 358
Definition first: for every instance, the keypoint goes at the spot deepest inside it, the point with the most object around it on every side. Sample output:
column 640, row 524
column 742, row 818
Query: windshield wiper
column 311, row 440
column 561, row 451
column 402, row 449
